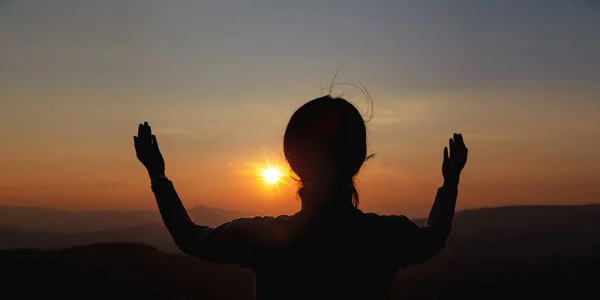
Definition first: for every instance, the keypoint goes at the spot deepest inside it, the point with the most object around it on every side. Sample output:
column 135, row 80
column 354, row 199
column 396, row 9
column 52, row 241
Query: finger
column 463, row 146
column 456, row 140
column 451, row 146
column 143, row 133
column 446, row 153
column 135, row 144
column 461, row 140
column 155, row 143
column 140, row 130
column 147, row 135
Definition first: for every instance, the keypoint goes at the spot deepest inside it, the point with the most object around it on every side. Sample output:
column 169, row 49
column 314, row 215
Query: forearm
column 170, row 206
column 441, row 216
column 432, row 237
column 184, row 231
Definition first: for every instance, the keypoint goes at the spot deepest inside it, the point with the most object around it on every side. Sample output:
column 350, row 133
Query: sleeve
column 235, row 242
column 415, row 244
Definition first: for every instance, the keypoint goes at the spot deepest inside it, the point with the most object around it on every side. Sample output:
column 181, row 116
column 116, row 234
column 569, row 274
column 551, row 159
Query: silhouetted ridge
column 67, row 221
column 116, row 271
column 531, row 219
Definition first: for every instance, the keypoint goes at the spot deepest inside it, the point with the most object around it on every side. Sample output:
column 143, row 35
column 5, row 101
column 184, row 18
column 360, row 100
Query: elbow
column 438, row 240
column 190, row 246
column 436, row 247
column 433, row 246
column 202, row 251
column 185, row 246
column 190, row 240
column 431, row 251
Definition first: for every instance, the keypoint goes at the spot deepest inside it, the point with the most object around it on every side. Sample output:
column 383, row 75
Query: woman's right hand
column 455, row 158
column 146, row 150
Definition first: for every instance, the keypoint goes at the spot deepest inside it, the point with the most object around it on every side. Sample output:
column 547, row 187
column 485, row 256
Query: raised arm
column 231, row 243
column 427, row 241
column 186, row 234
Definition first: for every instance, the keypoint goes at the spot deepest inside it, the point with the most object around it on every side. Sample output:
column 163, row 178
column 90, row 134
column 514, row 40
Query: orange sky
column 521, row 152
column 75, row 83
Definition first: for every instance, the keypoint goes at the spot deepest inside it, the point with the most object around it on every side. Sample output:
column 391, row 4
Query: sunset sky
column 218, row 81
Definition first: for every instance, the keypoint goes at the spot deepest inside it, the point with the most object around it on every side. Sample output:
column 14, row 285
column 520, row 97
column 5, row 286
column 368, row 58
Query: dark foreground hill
column 137, row 271
column 523, row 252
column 117, row 271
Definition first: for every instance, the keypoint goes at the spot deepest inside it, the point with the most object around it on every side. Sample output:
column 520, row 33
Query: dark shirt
column 341, row 254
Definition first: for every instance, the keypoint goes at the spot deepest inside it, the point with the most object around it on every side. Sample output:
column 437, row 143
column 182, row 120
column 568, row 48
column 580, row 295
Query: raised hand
column 454, row 160
column 146, row 150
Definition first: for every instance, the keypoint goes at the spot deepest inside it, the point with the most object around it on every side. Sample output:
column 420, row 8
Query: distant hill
column 151, row 234
column 509, row 219
column 569, row 223
column 525, row 219
column 528, row 220
column 43, row 228
column 66, row 221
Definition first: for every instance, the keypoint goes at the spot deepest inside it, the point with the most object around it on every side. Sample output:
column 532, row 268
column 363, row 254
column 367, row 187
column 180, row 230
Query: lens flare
column 271, row 175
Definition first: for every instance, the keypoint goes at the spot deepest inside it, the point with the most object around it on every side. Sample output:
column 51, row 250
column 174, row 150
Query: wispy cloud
column 487, row 137
column 179, row 132
column 386, row 116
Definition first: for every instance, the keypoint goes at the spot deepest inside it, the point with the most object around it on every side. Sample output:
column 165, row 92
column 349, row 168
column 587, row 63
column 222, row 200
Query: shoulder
column 259, row 222
column 265, row 219
column 396, row 221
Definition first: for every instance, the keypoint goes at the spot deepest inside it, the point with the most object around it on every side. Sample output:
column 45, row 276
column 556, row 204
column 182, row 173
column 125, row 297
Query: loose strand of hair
column 371, row 106
column 333, row 80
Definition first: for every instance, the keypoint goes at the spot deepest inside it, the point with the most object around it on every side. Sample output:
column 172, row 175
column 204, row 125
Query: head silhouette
column 325, row 145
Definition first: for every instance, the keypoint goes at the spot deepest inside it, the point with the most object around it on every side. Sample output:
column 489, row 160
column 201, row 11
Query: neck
column 326, row 197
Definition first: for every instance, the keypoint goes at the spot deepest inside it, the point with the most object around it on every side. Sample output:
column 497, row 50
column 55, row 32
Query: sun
column 271, row 175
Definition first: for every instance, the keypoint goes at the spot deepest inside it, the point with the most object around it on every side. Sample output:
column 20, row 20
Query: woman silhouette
column 329, row 249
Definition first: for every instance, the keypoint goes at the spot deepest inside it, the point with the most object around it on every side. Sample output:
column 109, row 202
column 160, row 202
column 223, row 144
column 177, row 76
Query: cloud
column 388, row 116
column 179, row 132
column 386, row 120
column 486, row 137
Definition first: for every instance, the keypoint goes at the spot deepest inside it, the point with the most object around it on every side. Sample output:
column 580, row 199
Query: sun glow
column 271, row 175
